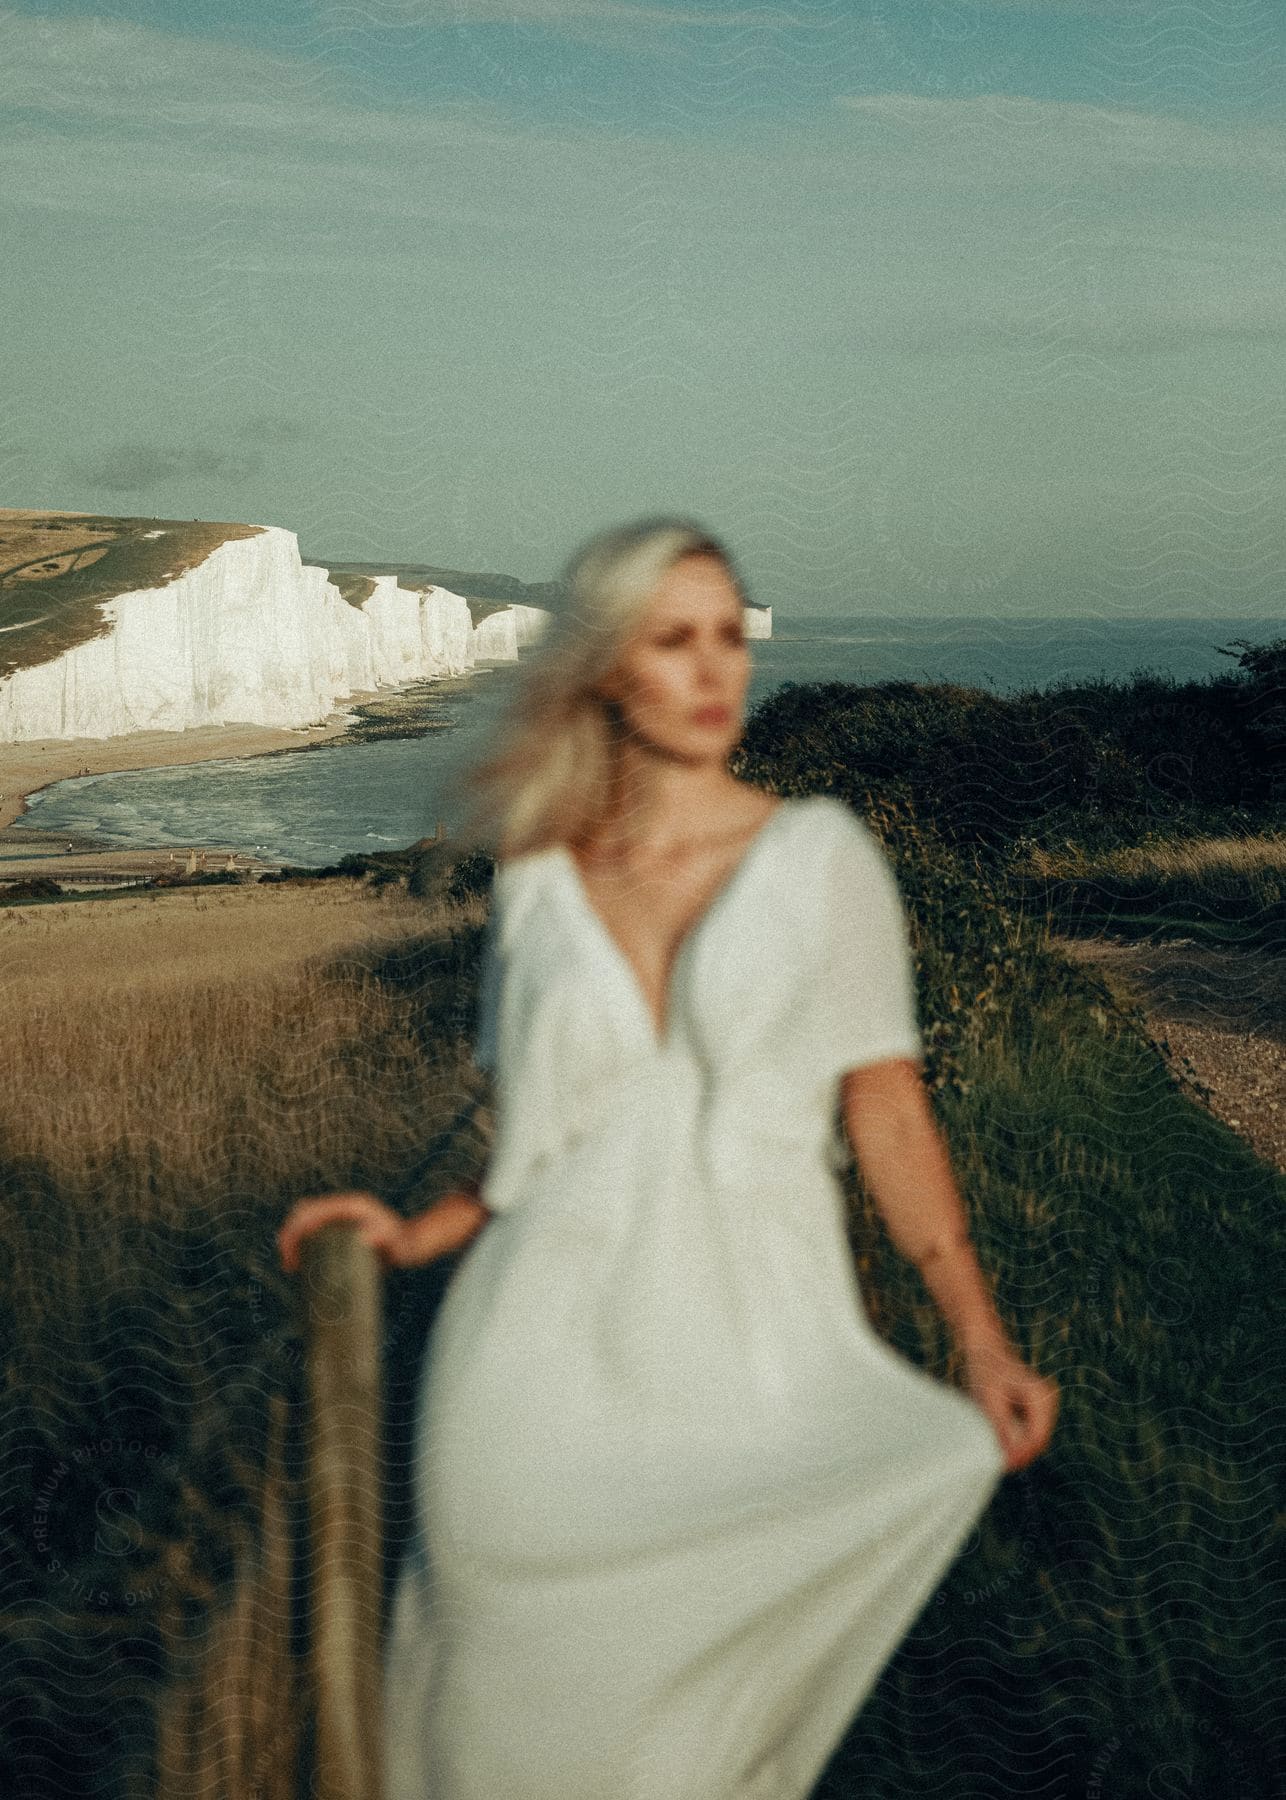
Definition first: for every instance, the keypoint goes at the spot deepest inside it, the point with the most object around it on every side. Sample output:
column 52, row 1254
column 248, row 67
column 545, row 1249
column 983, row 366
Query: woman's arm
column 445, row 1226
column 399, row 1243
column 904, row 1162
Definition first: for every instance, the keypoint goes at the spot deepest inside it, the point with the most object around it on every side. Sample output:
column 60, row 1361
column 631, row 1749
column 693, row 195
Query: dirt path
column 1221, row 1016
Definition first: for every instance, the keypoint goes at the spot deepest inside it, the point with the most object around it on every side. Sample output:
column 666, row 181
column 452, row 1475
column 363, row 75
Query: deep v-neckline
column 661, row 1038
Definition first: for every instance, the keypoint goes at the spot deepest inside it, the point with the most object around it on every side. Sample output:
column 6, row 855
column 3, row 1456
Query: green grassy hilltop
column 57, row 569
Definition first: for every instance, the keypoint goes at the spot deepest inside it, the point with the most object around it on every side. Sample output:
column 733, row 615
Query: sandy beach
column 25, row 768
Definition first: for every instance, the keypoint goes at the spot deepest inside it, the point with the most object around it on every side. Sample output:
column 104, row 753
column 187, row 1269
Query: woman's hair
column 546, row 774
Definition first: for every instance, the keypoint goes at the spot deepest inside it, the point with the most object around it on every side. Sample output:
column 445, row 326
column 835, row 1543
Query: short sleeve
column 868, row 1003
column 487, row 1013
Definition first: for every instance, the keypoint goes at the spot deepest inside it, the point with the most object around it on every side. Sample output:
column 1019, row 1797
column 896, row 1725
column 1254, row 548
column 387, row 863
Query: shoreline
column 28, row 768
column 412, row 709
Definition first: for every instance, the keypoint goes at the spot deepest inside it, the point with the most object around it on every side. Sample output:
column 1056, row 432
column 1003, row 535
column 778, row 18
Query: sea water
column 311, row 807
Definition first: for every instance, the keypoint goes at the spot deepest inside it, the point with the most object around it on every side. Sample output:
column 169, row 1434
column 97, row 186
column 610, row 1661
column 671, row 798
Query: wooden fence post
column 341, row 1300
column 227, row 1724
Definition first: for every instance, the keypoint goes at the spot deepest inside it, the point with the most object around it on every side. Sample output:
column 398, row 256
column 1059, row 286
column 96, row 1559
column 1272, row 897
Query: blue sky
column 957, row 307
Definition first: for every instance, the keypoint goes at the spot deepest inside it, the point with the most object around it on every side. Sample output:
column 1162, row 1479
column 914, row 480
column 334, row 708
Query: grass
column 472, row 584
column 1127, row 1586
column 178, row 1070
column 57, row 569
column 180, row 1067
column 199, row 1032
column 1220, row 889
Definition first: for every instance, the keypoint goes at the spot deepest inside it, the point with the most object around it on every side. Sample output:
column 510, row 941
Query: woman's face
column 681, row 681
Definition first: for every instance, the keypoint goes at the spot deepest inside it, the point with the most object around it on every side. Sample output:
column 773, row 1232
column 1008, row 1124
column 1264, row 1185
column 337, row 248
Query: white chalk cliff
column 251, row 635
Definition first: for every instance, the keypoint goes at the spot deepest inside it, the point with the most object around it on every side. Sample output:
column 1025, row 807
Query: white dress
column 677, row 1502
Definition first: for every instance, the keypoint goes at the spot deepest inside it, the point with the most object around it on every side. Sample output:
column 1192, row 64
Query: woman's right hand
column 385, row 1231
column 1021, row 1404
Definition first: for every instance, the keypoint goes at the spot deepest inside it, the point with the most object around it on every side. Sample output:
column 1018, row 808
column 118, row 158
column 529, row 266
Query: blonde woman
column 677, row 1502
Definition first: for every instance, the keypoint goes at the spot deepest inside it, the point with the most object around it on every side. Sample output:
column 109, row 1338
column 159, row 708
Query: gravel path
column 1220, row 1014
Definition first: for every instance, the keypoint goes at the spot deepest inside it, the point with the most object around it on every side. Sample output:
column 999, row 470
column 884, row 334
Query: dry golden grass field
column 175, row 1027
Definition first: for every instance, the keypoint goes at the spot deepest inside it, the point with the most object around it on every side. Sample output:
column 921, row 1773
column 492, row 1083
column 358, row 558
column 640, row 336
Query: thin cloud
column 992, row 220
column 276, row 428
column 555, row 14
column 1043, row 137
column 1074, row 6
column 130, row 468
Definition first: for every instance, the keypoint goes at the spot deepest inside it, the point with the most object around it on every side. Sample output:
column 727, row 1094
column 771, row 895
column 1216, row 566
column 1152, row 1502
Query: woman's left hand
column 1021, row 1404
